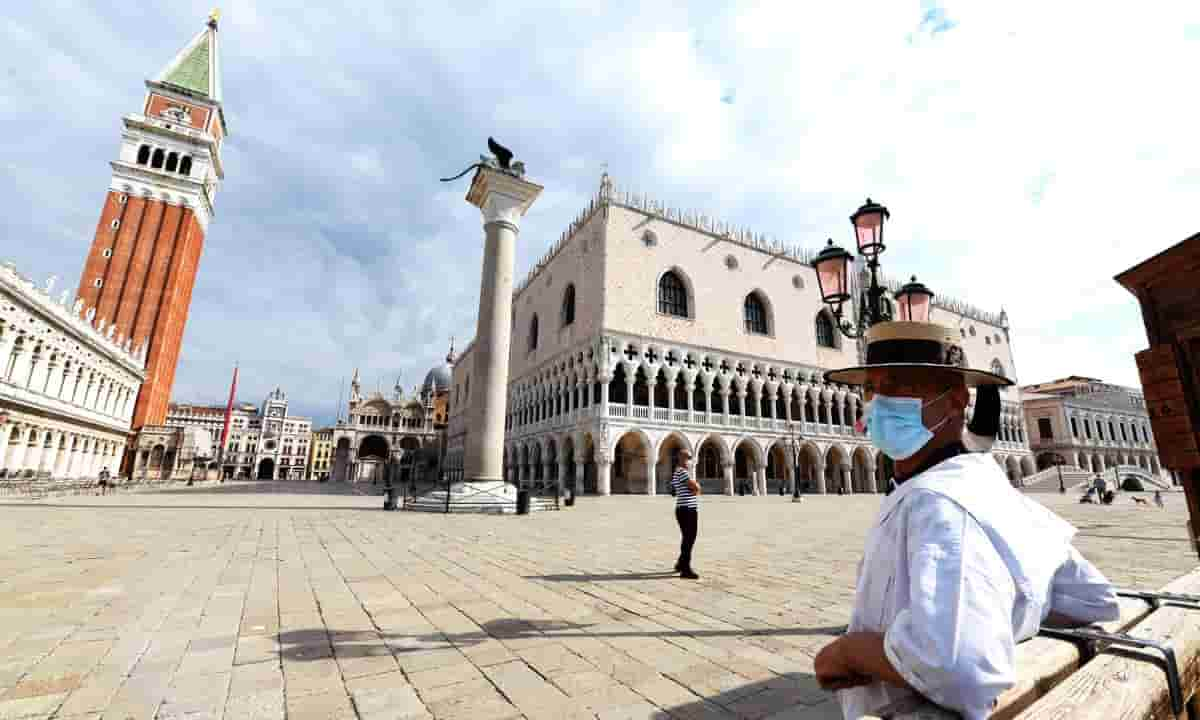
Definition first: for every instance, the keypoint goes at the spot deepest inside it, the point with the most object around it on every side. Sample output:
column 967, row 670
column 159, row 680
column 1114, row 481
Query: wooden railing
column 1119, row 683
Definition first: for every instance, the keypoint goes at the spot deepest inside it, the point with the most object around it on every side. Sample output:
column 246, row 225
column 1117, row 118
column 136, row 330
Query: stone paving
column 300, row 601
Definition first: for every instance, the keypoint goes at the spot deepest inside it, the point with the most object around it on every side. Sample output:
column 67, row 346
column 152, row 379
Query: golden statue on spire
column 213, row 17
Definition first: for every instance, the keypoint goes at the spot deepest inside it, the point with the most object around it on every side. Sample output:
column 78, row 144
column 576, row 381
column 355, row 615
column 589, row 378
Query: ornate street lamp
column 833, row 277
column 914, row 300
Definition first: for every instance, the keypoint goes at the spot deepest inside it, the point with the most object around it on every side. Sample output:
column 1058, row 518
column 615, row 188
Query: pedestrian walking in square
column 959, row 566
column 687, row 512
column 1158, row 499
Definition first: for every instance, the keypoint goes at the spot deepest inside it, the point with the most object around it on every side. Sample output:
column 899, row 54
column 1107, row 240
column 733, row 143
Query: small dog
column 1140, row 501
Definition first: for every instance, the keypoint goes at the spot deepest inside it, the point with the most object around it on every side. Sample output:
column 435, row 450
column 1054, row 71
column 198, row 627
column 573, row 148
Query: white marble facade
column 1091, row 425
column 644, row 329
column 67, row 388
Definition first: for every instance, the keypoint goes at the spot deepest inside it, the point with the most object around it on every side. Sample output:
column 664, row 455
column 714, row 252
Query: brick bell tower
column 142, row 265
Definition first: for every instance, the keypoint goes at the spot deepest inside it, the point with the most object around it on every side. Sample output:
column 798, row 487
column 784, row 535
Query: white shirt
column 958, row 569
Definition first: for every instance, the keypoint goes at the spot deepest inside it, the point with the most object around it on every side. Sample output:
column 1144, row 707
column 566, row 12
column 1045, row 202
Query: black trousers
column 688, row 519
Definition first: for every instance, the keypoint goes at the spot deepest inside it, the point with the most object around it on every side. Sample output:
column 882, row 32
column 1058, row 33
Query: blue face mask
column 896, row 427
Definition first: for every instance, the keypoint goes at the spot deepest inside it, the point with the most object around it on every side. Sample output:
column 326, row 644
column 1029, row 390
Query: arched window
column 157, row 162
column 755, row 314
column 825, row 330
column 533, row 332
column 172, row 162
column 997, row 368
column 185, row 165
column 143, row 155
column 672, row 295
column 568, row 305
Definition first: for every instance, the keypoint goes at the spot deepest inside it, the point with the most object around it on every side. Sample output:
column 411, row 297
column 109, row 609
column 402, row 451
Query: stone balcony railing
column 15, row 394
column 702, row 420
column 1078, row 443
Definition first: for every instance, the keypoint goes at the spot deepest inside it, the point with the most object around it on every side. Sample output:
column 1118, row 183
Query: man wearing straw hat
column 959, row 566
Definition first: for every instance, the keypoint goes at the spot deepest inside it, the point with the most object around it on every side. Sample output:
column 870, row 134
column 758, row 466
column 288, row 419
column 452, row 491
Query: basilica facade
column 644, row 330
column 393, row 437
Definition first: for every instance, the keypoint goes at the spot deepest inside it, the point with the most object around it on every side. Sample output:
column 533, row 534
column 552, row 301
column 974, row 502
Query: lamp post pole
column 795, row 461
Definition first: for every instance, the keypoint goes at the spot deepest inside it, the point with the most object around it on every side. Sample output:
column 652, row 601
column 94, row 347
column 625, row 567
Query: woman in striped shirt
column 687, row 511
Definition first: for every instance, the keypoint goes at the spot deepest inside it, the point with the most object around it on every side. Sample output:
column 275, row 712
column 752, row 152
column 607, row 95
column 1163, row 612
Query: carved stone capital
column 501, row 197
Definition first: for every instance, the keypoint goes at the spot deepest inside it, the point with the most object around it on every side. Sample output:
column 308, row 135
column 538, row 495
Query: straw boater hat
column 914, row 345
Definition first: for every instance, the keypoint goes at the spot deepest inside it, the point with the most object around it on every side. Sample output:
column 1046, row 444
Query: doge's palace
column 645, row 329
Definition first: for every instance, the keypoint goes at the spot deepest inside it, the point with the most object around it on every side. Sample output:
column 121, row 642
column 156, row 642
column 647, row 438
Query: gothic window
column 972, row 331
column 533, row 333
column 157, row 161
column 185, row 165
column 824, row 330
column 997, row 367
column 756, row 314
column 672, row 295
column 172, row 162
column 143, row 155
column 568, row 305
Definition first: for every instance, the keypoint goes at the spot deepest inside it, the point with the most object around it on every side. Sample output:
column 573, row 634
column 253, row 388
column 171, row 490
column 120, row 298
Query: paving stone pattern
column 306, row 601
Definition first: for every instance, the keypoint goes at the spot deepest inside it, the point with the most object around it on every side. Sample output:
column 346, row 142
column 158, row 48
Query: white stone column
column 20, row 364
column 604, row 477
column 671, row 399
column 37, row 373
column 50, row 454
column 727, row 472
column 762, row 480
column 8, row 338
column 6, row 432
column 48, row 386
column 60, row 461
column 604, row 380
column 580, row 469
column 33, row 452
column 93, row 466
column 819, row 477
column 502, row 199
column 725, row 393
column 651, row 472
column 18, row 446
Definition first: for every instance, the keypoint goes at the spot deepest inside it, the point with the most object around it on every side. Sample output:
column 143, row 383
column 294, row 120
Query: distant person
column 687, row 512
column 1158, row 499
column 104, row 481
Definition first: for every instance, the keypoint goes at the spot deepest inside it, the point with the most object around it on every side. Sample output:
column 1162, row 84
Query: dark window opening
column 1045, row 431
column 824, row 330
column 672, row 295
column 755, row 314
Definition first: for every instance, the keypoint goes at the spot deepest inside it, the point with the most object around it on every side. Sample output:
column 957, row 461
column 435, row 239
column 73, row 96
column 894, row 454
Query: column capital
column 502, row 197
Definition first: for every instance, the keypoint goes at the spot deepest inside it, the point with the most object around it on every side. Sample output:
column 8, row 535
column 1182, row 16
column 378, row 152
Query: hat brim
column 972, row 378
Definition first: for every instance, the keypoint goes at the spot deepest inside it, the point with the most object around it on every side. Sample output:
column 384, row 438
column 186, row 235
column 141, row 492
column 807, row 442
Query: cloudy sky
column 1028, row 153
